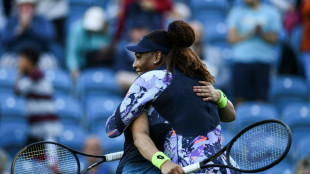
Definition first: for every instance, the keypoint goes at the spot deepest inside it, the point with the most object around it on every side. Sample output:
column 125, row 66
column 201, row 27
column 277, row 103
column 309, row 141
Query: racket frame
column 74, row 152
column 203, row 164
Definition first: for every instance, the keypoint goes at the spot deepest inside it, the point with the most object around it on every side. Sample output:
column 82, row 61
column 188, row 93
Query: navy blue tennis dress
column 196, row 133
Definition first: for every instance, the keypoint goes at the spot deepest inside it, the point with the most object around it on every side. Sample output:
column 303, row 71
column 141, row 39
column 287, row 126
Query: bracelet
column 223, row 100
column 159, row 158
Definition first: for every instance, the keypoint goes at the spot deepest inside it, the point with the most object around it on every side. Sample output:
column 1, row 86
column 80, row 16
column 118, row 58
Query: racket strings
column 46, row 158
column 260, row 146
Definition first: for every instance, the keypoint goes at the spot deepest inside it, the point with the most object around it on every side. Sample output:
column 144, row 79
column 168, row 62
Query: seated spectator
column 126, row 74
column 303, row 166
column 88, row 42
column 92, row 146
column 3, row 162
column 42, row 118
column 290, row 10
column 56, row 11
column 212, row 57
column 151, row 12
column 27, row 29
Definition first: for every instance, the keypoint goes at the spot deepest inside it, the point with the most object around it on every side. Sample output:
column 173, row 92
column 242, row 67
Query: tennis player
column 167, row 91
column 133, row 161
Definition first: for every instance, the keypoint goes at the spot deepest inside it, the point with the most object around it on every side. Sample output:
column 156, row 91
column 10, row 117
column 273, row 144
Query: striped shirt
column 42, row 117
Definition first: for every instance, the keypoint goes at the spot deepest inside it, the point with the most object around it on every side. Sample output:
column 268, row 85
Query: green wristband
column 159, row 158
column 223, row 100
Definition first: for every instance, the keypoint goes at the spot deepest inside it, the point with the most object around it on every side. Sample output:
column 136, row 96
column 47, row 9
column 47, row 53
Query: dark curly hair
column 182, row 36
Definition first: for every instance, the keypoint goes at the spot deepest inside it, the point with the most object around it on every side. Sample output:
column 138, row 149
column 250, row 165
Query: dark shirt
column 40, row 34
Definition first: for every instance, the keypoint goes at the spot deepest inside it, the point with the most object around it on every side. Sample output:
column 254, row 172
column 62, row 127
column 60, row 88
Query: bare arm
column 140, row 133
column 270, row 38
column 208, row 93
column 235, row 37
column 228, row 113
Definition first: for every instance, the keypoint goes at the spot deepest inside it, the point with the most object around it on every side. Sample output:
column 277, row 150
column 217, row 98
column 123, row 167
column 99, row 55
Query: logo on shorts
column 160, row 157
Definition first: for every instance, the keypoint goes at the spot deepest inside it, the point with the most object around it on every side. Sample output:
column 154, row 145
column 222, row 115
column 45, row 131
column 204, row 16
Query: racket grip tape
column 191, row 168
column 114, row 156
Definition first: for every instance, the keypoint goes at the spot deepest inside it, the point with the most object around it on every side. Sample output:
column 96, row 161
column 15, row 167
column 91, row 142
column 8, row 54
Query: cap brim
column 137, row 49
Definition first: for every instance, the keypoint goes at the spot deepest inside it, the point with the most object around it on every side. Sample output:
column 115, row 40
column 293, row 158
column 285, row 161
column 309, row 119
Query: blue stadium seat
column 73, row 137
column 12, row 108
column 68, row 110
column 225, row 48
column 297, row 117
column 97, row 82
column 227, row 136
column 240, row 2
column 288, row 89
column 60, row 80
column 82, row 2
column 215, row 31
column 13, row 123
column 209, row 5
column 99, row 109
column 251, row 112
column 7, row 80
column 302, row 149
column 13, row 136
column 110, row 144
column 214, row 26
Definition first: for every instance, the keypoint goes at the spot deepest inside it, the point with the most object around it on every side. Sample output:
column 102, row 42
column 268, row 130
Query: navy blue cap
column 146, row 45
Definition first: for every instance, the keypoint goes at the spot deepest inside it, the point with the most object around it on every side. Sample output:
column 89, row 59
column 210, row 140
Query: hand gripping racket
column 53, row 158
column 258, row 147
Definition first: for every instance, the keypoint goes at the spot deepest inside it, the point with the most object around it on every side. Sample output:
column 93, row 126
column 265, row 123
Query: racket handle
column 191, row 168
column 114, row 156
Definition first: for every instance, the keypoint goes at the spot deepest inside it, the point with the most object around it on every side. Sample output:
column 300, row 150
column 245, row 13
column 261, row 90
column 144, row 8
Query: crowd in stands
column 66, row 60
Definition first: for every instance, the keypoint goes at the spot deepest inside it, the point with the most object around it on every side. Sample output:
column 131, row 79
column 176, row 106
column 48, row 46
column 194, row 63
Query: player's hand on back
column 171, row 168
column 207, row 92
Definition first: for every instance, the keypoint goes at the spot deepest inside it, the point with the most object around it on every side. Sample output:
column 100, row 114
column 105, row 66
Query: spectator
column 56, row 11
column 212, row 57
column 292, row 13
column 27, row 29
column 92, row 146
column 253, row 31
column 42, row 118
column 88, row 42
column 303, row 166
column 126, row 74
column 151, row 12
column 3, row 162
column 305, row 42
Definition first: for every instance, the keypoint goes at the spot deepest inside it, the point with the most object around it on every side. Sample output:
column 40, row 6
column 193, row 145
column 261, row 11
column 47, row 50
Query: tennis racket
column 256, row 148
column 53, row 158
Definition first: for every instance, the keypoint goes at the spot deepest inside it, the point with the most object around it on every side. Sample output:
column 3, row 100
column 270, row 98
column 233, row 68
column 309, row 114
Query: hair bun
column 181, row 34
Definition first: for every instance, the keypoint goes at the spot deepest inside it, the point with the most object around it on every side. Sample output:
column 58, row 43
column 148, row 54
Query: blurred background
column 82, row 55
